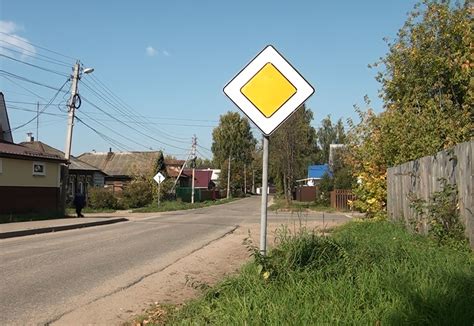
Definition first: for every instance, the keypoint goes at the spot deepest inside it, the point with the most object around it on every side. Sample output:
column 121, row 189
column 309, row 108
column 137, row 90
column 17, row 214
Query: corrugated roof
column 318, row 171
column 76, row 164
column 13, row 150
column 122, row 163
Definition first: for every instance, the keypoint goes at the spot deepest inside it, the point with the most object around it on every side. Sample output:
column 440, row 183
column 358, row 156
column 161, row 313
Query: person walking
column 79, row 203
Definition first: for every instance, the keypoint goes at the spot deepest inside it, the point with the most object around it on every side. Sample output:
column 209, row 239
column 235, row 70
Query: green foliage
column 99, row 198
column 326, row 185
column 137, row 194
column 232, row 140
column 291, row 148
column 328, row 134
column 428, row 99
column 441, row 213
column 366, row 273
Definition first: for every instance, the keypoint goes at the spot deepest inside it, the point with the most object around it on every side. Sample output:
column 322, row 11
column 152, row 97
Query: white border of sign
column 268, row 55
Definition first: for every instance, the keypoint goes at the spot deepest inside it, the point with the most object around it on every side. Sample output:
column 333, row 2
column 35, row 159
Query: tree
column 291, row 147
column 232, row 142
column 428, row 98
column 328, row 134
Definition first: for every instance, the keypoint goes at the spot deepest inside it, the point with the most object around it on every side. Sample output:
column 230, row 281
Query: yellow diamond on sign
column 268, row 90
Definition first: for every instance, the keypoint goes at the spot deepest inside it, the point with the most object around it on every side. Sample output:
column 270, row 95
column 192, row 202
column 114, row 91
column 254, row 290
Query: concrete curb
column 22, row 233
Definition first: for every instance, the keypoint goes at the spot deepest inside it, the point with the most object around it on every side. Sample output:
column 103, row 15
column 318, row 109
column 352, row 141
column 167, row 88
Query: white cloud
column 165, row 53
column 10, row 40
column 150, row 51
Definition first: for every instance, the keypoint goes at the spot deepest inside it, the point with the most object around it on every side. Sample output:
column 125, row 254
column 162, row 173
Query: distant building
column 315, row 174
column 81, row 174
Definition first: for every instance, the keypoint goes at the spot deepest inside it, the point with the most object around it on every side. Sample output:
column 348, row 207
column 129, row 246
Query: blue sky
column 169, row 60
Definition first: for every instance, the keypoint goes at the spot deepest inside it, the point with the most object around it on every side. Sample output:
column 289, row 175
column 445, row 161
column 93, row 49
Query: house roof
column 201, row 177
column 5, row 130
column 76, row 164
column 122, row 163
column 317, row 171
column 8, row 149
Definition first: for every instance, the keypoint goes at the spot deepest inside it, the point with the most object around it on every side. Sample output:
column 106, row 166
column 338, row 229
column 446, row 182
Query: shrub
column 137, row 194
column 101, row 198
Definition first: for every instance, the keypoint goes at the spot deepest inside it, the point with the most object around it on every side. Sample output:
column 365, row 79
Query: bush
column 101, row 198
column 137, row 194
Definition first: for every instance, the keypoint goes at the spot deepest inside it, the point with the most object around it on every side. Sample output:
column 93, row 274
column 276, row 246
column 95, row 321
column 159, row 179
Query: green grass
column 366, row 273
column 296, row 206
column 166, row 206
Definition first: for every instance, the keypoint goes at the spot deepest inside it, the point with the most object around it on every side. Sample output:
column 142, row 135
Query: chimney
column 29, row 137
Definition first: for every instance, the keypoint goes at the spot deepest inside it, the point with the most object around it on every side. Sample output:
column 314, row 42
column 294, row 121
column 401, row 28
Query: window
column 39, row 168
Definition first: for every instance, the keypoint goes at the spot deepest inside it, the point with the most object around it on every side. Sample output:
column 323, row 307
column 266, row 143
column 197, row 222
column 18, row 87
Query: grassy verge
column 166, row 206
column 296, row 206
column 366, row 273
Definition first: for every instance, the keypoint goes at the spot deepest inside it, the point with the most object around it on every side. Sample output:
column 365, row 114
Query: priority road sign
column 159, row 178
column 268, row 90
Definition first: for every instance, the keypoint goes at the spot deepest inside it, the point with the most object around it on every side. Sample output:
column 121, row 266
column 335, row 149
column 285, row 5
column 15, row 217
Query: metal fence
column 420, row 179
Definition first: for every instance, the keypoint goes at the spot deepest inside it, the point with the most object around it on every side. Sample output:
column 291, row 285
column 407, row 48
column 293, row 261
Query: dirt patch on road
column 176, row 283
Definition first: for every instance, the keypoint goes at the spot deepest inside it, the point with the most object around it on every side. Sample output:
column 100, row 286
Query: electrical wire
column 9, row 74
column 35, row 45
column 33, row 65
column 125, row 124
column 36, row 56
column 131, row 115
column 40, row 112
column 26, row 89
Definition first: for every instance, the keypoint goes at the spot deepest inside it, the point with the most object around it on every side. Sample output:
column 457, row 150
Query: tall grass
column 366, row 273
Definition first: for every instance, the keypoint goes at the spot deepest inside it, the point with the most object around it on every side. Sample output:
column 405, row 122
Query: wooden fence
column 340, row 199
column 420, row 179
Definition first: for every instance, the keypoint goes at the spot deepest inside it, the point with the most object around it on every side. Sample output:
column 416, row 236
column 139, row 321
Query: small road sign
column 159, row 178
column 268, row 90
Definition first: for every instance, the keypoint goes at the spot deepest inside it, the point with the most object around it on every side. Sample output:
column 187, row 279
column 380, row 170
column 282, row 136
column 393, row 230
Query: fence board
column 421, row 178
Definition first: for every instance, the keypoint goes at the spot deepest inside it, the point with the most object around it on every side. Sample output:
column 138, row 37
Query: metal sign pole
column 159, row 193
column 263, row 214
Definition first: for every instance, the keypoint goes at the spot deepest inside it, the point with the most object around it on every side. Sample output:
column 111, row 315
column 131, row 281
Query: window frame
column 39, row 173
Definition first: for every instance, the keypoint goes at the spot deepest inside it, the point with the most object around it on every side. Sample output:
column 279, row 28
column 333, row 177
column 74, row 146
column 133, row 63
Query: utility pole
column 72, row 109
column 37, row 120
column 193, row 165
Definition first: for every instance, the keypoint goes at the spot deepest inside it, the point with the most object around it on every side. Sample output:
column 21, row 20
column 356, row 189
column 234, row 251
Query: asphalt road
column 46, row 276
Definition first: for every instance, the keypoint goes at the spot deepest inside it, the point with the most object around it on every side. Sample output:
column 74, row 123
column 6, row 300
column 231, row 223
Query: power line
column 35, row 45
column 9, row 74
column 40, row 112
column 36, row 56
column 33, row 65
column 116, row 132
column 124, row 109
column 125, row 124
column 26, row 89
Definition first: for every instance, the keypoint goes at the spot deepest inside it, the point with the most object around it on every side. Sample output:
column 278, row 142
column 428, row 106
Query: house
column 172, row 170
column 122, row 167
column 81, row 174
column 5, row 132
column 202, row 178
column 29, row 180
column 315, row 174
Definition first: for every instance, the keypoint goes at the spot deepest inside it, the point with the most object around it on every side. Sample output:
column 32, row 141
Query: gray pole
column 37, row 120
column 159, row 193
column 263, row 215
column 72, row 111
column 228, row 177
column 194, row 166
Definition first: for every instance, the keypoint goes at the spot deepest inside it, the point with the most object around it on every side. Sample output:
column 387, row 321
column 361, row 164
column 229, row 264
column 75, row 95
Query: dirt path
column 173, row 284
